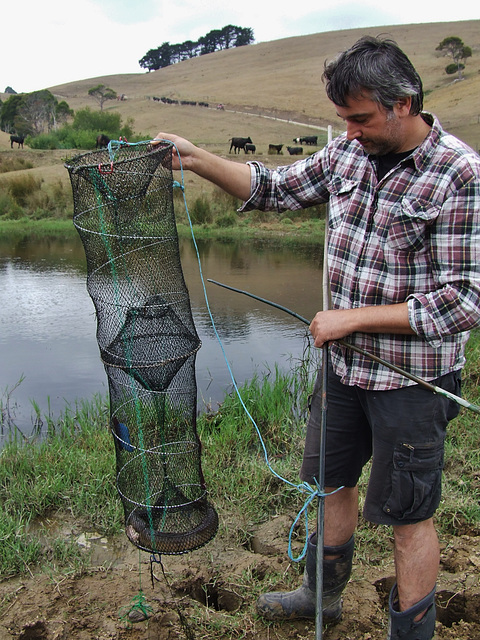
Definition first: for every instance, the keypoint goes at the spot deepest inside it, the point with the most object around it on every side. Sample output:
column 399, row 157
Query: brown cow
column 102, row 141
column 275, row 148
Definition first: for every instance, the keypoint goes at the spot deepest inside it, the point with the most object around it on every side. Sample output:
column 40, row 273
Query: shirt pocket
column 408, row 227
column 341, row 192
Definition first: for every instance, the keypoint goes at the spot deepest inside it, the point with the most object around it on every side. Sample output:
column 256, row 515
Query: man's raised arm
column 232, row 177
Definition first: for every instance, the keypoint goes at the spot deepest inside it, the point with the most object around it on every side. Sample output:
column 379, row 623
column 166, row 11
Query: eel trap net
column 124, row 214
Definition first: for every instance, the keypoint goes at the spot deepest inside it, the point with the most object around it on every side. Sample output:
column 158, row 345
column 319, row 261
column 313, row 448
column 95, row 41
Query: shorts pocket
column 416, row 481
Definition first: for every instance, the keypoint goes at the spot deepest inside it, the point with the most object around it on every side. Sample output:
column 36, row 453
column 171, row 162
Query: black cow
column 306, row 140
column 250, row 147
column 275, row 148
column 239, row 143
column 18, row 139
column 102, row 141
column 295, row 151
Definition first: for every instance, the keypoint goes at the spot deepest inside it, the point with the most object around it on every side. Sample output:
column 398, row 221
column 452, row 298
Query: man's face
column 377, row 129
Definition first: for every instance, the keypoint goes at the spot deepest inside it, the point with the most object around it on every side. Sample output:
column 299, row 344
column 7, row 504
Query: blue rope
column 303, row 487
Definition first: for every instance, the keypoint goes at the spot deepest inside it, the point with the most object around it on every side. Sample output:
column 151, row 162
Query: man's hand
column 331, row 325
column 232, row 177
column 338, row 323
column 181, row 146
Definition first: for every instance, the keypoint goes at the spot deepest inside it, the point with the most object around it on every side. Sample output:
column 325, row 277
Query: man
column 404, row 271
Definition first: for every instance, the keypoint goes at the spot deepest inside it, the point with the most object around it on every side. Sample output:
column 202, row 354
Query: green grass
column 25, row 197
column 71, row 470
column 29, row 205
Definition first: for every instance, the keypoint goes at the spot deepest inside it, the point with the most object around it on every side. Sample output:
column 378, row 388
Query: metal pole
column 321, row 501
column 322, row 438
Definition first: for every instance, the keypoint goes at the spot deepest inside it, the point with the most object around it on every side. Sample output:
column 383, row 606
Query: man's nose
column 353, row 131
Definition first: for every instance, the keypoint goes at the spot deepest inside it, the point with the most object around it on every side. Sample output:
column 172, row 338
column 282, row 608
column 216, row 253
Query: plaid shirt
column 412, row 236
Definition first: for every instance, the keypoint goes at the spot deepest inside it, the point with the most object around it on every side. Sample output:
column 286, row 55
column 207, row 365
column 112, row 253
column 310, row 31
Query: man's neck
column 416, row 130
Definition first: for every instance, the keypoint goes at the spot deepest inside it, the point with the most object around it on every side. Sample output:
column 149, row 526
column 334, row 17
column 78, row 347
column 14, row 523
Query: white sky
column 50, row 42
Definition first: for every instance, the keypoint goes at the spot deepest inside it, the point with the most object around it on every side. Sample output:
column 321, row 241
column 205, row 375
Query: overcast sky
column 50, row 42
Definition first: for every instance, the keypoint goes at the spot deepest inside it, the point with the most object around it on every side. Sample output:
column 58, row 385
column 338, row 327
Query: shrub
column 82, row 134
column 22, row 188
column 9, row 209
column 224, row 200
column 29, row 196
column 454, row 68
column 201, row 211
column 106, row 122
column 227, row 220
column 14, row 164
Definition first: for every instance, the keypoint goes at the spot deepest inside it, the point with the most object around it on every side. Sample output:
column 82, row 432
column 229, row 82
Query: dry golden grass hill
column 279, row 79
column 283, row 78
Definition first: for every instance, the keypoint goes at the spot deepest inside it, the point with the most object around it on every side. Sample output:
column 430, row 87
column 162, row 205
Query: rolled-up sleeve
column 287, row 188
column 454, row 306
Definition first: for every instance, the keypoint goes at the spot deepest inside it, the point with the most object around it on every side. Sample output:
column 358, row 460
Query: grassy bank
column 71, row 472
column 309, row 232
column 30, row 205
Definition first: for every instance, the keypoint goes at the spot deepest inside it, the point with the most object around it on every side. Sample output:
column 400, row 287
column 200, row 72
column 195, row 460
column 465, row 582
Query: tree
column 156, row 58
column 101, row 94
column 33, row 113
column 36, row 113
column 88, row 120
column 39, row 112
column 62, row 113
column 167, row 54
column 458, row 51
column 8, row 113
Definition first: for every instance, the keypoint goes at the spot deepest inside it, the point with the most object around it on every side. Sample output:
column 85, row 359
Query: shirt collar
column 422, row 154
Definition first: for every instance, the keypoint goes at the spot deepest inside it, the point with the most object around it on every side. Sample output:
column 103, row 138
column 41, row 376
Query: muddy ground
column 206, row 593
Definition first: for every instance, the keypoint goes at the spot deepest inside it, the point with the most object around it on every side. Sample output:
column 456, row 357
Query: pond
column 48, row 325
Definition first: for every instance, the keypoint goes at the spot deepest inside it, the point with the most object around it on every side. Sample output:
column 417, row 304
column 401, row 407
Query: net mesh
column 124, row 214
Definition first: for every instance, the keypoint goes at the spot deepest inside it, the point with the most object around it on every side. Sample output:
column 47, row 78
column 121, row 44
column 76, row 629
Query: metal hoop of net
column 124, row 214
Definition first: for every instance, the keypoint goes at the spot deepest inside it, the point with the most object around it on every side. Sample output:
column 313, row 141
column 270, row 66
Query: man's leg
column 341, row 515
column 348, row 447
column 341, row 512
column 417, row 559
column 412, row 599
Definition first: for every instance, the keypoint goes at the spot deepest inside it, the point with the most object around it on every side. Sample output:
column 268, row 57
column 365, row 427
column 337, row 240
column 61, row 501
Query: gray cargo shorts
column 401, row 430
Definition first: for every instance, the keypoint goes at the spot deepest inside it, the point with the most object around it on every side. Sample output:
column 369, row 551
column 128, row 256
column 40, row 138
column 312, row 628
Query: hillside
column 280, row 80
column 283, row 78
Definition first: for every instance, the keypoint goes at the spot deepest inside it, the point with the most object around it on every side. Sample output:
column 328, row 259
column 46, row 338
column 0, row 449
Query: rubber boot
column 402, row 625
column 280, row 605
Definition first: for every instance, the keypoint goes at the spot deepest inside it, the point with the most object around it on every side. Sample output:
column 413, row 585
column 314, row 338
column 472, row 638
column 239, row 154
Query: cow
column 306, row 140
column 239, row 143
column 275, row 148
column 102, row 141
column 18, row 139
column 250, row 147
column 295, row 151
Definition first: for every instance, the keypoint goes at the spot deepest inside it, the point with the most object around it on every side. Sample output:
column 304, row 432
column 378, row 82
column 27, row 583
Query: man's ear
column 403, row 105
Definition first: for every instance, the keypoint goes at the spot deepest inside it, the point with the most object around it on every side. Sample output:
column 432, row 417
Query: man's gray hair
column 377, row 68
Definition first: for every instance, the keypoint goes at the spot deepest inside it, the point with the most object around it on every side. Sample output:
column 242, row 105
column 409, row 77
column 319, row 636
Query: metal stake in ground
column 321, row 447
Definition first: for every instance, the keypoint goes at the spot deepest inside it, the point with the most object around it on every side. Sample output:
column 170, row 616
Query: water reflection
column 48, row 325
